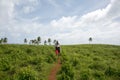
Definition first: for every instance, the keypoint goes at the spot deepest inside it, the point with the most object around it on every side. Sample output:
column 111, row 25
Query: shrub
column 97, row 66
column 29, row 50
column 84, row 76
column 99, row 75
column 75, row 61
column 35, row 60
column 4, row 64
column 63, row 76
column 64, row 58
column 117, row 74
column 40, row 66
column 66, row 72
column 110, row 71
column 27, row 73
column 51, row 58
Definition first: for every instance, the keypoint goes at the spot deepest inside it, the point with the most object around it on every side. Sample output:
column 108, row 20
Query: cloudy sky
column 69, row 21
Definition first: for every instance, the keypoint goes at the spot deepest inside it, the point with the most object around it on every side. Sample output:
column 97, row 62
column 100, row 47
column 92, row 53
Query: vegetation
column 90, row 62
column 49, row 41
column 39, row 40
column 25, row 40
column 26, row 62
column 79, row 62
column 90, row 40
column 45, row 42
column 3, row 40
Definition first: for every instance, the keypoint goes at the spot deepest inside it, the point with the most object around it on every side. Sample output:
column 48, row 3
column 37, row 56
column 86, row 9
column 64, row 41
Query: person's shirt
column 57, row 45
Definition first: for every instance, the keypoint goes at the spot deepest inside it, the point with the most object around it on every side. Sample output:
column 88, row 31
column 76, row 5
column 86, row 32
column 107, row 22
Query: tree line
column 37, row 41
column 3, row 40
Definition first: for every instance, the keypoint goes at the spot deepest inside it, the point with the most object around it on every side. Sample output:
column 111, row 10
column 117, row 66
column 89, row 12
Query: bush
column 27, row 73
column 84, row 76
column 75, row 61
column 39, row 66
column 117, row 74
column 97, row 66
column 99, row 75
column 64, row 58
column 35, row 60
column 51, row 58
column 66, row 72
column 63, row 76
column 110, row 71
column 29, row 50
column 4, row 64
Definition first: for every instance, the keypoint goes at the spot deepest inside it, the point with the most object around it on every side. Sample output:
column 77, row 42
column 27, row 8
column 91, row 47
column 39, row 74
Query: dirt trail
column 54, row 70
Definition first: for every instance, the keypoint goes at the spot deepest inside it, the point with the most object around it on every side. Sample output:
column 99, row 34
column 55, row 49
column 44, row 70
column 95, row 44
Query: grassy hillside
column 79, row 62
column 25, row 62
column 90, row 62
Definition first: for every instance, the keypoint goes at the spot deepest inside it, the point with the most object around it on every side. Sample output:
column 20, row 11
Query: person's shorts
column 56, row 51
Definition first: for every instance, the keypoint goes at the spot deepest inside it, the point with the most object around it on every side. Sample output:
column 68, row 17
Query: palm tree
column 54, row 41
column 49, row 41
column 25, row 40
column 35, row 41
column 90, row 40
column 5, row 40
column 32, row 41
column 2, row 40
column 45, row 42
column 39, row 40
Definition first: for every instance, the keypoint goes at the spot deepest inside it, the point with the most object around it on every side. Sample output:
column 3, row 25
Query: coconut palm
column 49, row 41
column 39, row 39
column 90, row 40
column 25, row 40
column 45, row 42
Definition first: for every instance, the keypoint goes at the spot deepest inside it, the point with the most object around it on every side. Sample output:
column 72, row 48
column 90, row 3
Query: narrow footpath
column 54, row 70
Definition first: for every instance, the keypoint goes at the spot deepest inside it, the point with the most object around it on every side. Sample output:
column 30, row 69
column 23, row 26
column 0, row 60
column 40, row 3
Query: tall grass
column 26, row 62
column 79, row 62
column 93, row 62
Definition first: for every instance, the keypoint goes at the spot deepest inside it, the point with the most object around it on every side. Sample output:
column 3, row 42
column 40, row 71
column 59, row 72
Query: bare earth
column 54, row 70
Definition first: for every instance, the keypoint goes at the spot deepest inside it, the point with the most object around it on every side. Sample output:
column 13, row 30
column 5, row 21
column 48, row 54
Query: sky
column 68, row 21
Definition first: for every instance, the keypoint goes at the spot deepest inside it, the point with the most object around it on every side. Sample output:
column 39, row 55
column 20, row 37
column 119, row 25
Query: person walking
column 57, row 48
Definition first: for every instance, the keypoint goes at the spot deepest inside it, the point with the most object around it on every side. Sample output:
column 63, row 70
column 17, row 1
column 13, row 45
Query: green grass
column 79, row 62
column 26, row 62
column 92, row 62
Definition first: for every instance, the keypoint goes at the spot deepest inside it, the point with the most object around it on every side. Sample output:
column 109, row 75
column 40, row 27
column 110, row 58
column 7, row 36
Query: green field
column 79, row 62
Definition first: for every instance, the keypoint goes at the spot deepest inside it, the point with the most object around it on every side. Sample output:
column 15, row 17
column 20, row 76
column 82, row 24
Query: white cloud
column 114, row 10
column 30, row 6
column 64, row 22
column 98, row 24
column 6, row 11
column 28, row 9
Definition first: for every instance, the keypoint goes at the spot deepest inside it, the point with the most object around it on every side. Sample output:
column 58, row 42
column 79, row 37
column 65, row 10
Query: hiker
column 57, row 48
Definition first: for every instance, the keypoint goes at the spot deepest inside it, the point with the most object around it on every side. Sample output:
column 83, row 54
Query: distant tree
column 45, row 42
column 39, row 39
column 54, row 41
column 25, row 40
column 2, row 40
column 90, row 40
column 49, row 41
column 5, row 40
column 32, row 41
column 35, row 41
